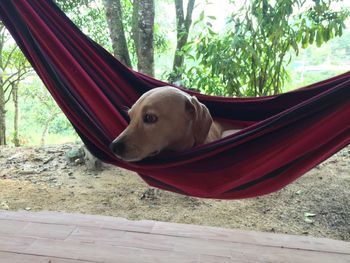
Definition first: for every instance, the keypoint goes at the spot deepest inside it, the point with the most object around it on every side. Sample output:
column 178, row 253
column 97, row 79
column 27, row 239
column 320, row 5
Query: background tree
column 142, row 32
column 140, row 15
column 250, row 58
column 114, row 17
column 146, row 35
column 2, row 90
column 22, row 67
column 42, row 110
column 183, row 24
column 13, row 68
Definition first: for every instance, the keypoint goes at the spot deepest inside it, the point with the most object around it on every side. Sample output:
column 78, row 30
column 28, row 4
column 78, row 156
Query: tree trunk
column 2, row 113
column 46, row 128
column 142, row 29
column 15, row 120
column 2, row 91
column 116, row 30
column 183, row 25
column 43, row 135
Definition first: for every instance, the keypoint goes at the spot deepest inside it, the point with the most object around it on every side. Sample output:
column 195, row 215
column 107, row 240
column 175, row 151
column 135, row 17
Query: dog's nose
column 117, row 147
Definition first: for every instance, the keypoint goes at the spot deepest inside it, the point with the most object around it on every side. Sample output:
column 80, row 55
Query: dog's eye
column 150, row 118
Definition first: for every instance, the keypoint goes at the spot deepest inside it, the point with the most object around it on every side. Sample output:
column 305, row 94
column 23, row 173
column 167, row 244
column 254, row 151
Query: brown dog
column 166, row 118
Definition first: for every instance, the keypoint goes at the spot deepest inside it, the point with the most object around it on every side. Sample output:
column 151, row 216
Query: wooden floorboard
column 71, row 238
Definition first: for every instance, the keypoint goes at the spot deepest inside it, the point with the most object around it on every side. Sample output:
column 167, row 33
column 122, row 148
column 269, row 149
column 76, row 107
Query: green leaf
column 319, row 38
column 326, row 35
column 295, row 47
column 201, row 16
column 299, row 36
column 306, row 214
column 340, row 30
column 311, row 36
column 305, row 40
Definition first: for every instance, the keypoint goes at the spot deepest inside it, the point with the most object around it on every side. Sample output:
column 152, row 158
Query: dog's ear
column 201, row 117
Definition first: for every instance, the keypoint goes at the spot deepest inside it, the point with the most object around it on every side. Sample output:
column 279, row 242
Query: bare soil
column 43, row 178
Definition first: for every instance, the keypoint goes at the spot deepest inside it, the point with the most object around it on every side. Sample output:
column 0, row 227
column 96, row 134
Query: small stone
column 79, row 161
column 75, row 154
column 4, row 205
column 26, row 172
column 91, row 161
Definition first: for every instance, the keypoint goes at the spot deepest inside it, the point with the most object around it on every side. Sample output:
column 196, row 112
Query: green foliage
column 38, row 111
column 89, row 16
column 244, row 59
column 251, row 56
column 314, row 64
column 15, row 65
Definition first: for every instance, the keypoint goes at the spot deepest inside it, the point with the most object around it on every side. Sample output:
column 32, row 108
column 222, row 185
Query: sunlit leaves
column 250, row 57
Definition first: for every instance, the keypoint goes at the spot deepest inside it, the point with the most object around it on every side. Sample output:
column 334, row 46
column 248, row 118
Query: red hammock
column 285, row 135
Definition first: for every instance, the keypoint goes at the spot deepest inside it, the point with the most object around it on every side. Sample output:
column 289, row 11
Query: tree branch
column 190, row 7
column 179, row 13
column 9, row 57
column 19, row 75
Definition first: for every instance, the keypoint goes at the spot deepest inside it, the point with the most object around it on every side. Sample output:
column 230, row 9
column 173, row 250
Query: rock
column 13, row 157
column 48, row 160
column 91, row 161
column 151, row 194
column 26, row 172
column 4, row 205
column 79, row 161
column 37, row 159
column 75, row 155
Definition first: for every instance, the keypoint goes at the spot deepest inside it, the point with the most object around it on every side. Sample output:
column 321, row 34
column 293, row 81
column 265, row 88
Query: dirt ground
column 44, row 179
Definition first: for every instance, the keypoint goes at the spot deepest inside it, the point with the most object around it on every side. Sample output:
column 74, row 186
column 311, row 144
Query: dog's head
column 163, row 118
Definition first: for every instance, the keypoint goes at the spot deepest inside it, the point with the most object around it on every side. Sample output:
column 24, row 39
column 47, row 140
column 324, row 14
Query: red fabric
column 285, row 135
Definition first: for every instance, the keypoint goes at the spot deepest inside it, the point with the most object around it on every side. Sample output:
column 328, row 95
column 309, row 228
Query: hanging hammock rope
column 284, row 136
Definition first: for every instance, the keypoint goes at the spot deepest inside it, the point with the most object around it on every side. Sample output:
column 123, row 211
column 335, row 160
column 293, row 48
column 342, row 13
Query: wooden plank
column 144, row 226
column 148, row 241
column 121, row 238
column 43, row 230
column 57, row 218
column 246, row 253
column 11, row 226
column 251, row 237
column 215, row 259
column 6, row 257
column 204, row 246
column 159, row 256
column 96, row 235
column 62, row 218
column 83, row 251
column 75, row 237
column 10, row 243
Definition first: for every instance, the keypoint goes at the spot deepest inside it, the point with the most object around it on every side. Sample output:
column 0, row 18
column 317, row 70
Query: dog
column 166, row 118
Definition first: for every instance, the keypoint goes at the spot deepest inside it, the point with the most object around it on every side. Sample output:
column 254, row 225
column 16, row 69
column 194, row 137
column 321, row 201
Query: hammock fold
column 284, row 136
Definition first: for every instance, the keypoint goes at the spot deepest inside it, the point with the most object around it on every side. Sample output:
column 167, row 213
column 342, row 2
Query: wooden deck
column 71, row 238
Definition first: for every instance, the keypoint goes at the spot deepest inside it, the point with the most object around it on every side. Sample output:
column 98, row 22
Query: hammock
column 284, row 136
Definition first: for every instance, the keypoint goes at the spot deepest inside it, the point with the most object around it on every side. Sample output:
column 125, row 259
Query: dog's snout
column 117, row 147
